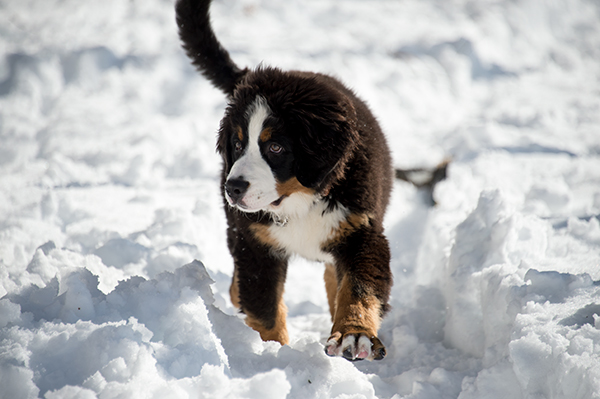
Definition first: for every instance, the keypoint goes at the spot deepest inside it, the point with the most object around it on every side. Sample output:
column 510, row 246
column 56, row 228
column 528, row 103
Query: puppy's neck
column 297, row 207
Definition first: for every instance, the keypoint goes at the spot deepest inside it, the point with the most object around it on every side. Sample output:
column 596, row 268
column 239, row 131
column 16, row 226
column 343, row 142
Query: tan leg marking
column 355, row 315
column 262, row 234
column 331, row 287
column 279, row 332
column 353, row 222
column 234, row 293
column 355, row 325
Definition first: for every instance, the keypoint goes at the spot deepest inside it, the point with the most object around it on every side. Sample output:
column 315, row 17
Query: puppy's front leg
column 258, row 284
column 364, row 283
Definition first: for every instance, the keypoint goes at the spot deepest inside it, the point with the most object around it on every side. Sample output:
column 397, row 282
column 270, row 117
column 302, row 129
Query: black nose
column 236, row 188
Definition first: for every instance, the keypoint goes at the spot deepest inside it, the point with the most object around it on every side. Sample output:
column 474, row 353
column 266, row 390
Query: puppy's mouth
column 277, row 202
column 241, row 204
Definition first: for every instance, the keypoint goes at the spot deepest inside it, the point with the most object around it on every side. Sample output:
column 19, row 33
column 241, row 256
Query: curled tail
column 203, row 48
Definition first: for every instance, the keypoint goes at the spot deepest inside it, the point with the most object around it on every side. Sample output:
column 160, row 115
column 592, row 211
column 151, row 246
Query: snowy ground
column 108, row 192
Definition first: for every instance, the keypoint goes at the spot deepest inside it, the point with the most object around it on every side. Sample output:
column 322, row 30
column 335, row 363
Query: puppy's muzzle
column 235, row 189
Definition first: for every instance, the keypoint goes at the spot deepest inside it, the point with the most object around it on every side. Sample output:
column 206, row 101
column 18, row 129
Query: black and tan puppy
column 306, row 171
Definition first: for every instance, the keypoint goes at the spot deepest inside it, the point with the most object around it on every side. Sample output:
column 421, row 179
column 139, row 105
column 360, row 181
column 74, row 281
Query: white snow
column 114, row 271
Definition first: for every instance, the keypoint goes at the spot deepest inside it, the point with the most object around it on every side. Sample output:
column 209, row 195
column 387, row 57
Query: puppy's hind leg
column 331, row 286
column 234, row 291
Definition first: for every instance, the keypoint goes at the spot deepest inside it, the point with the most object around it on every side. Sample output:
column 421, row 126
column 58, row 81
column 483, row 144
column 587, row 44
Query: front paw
column 355, row 346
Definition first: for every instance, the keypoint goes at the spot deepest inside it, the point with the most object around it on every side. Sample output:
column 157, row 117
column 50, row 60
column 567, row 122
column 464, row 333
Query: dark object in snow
column 425, row 179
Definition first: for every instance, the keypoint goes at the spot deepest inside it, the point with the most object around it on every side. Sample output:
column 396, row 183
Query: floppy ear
column 326, row 138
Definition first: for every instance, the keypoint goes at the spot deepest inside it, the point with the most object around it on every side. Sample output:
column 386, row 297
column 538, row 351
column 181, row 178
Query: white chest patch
column 304, row 234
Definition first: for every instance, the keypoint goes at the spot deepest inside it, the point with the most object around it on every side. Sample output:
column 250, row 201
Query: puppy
column 306, row 171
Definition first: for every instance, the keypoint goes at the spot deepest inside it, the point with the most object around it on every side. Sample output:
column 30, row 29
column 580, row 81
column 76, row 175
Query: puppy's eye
column 238, row 146
column 275, row 148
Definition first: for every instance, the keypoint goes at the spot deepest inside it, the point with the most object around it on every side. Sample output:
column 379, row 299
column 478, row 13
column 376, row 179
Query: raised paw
column 355, row 346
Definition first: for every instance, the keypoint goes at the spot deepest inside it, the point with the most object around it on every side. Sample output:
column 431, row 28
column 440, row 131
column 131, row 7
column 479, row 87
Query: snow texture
column 114, row 270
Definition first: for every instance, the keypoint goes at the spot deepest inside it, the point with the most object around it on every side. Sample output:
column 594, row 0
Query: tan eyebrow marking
column 265, row 134
column 240, row 134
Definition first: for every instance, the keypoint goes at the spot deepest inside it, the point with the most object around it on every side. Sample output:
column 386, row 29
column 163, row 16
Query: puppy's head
column 285, row 138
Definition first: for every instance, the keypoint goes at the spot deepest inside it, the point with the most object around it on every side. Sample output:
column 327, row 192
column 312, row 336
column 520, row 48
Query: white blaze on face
column 252, row 167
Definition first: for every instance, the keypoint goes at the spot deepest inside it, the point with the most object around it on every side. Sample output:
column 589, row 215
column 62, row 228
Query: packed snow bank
column 114, row 272
column 147, row 338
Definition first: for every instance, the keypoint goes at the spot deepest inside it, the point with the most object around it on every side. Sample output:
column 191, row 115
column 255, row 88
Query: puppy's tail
column 202, row 46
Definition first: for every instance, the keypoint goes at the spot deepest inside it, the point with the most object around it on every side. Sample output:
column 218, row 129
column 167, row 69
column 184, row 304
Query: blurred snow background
column 109, row 192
